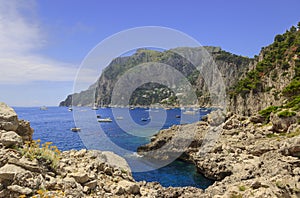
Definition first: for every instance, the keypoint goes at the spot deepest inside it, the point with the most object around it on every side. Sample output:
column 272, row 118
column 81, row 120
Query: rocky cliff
column 231, row 67
column 273, row 80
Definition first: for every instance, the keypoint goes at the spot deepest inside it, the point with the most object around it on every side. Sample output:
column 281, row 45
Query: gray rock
column 257, row 119
column 8, row 118
column 231, row 123
column 91, row 184
column 10, row 138
column 108, row 170
column 80, row 153
column 26, row 164
column 215, row 118
column 119, row 190
column 282, row 124
column 256, row 185
column 9, row 171
column 114, row 160
column 20, row 189
column 130, row 187
column 80, row 176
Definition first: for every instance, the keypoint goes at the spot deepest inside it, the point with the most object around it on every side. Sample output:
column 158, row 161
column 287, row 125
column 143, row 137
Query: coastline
column 248, row 159
column 241, row 162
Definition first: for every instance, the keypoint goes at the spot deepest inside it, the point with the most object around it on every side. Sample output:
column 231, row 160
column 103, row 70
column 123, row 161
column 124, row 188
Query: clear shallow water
column 54, row 126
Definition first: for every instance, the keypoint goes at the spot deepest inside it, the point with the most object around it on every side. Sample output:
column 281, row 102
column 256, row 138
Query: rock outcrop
column 248, row 159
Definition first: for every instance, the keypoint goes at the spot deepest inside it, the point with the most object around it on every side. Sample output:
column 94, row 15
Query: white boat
column 70, row 109
column 119, row 118
column 95, row 108
column 104, row 120
column 43, row 108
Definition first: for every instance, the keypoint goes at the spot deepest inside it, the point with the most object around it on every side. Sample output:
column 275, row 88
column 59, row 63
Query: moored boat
column 104, row 120
column 75, row 129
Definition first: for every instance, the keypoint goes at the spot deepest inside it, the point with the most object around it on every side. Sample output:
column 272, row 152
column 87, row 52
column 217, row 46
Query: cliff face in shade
column 231, row 67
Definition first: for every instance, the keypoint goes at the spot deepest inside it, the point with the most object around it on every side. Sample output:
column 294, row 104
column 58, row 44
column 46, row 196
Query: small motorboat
column 177, row 116
column 98, row 116
column 75, row 129
column 145, row 119
column 70, row 109
column 104, row 120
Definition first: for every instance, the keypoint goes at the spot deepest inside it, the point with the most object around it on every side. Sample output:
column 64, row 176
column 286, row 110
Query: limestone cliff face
column 231, row 67
column 273, row 79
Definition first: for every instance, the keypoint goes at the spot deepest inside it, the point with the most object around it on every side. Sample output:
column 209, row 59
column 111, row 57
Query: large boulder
column 129, row 187
column 9, row 171
column 10, row 138
column 115, row 161
column 8, row 118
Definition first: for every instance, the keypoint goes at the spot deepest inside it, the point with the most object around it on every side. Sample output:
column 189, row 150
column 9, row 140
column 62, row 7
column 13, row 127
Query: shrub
column 267, row 111
column 292, row 89
column 294, row 104
column 242, row 188
column 46, row 152
column 286, row 114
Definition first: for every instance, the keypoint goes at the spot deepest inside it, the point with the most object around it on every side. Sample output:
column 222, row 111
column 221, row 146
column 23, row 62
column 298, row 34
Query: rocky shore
column 28, row 169
column 249, row 159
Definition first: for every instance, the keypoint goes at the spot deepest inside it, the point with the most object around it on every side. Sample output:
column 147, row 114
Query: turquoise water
column 54, row 125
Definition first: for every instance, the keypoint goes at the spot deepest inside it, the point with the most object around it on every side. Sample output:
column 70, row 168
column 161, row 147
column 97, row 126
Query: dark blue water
column 54, row 126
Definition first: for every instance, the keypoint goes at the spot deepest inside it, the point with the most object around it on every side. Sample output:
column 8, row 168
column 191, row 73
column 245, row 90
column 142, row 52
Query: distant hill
column 231, row 67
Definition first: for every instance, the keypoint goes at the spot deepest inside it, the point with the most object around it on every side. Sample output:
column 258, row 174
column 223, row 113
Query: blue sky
column 42, row 43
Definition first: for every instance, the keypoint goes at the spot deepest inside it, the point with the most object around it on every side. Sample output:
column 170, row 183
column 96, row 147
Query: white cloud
column 21, row 36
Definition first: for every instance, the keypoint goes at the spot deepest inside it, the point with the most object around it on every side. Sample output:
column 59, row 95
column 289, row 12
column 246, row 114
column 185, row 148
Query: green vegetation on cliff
column 277, row 57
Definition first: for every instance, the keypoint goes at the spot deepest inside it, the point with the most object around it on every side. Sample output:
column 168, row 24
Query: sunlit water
column 53, row 125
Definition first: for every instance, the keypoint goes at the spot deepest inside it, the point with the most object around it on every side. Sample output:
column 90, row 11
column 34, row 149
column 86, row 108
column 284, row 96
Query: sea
column 128, row 129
